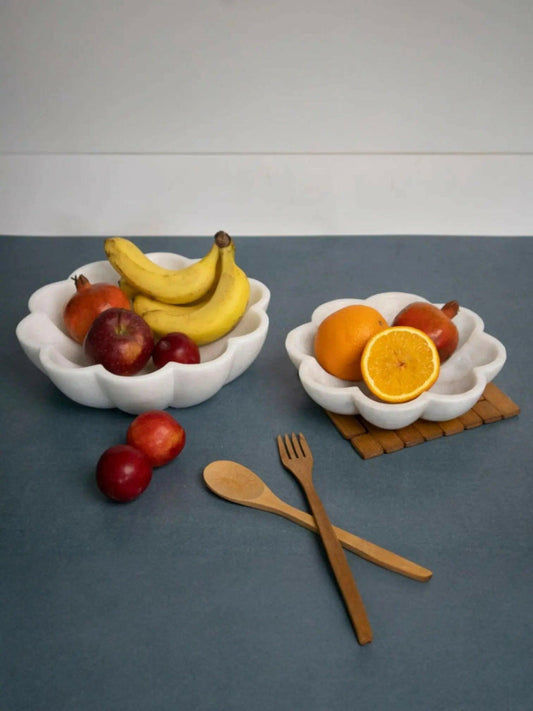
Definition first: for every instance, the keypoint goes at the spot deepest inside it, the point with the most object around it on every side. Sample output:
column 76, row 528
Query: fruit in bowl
column 462, row 378
column 341, row 337
column 88, row 302
column 175, row 348
column 399, row 364
column 120, row 340
column 43, row 338
column 436, row 322
column 205, row 300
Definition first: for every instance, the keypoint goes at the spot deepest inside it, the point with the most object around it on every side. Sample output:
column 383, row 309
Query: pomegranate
column 436, row 323
column 89, row 301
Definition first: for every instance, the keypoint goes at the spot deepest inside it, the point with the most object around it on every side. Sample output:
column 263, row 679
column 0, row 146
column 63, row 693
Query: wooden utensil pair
column 240, row 485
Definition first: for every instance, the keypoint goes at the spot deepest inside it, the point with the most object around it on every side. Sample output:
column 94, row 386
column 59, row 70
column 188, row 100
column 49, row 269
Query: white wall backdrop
column 286, row 117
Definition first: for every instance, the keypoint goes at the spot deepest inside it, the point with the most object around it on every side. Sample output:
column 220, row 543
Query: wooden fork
column 296, row 456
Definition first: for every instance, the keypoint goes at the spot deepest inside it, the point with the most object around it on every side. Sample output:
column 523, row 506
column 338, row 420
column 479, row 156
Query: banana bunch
column 205, row 300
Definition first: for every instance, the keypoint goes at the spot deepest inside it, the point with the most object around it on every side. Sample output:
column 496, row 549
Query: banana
column 127, row 288
column 171, row 286
column 222, row 311
column 142, row 304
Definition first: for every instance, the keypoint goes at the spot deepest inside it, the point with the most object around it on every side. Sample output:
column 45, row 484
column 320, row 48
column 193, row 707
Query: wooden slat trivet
column 371, row 441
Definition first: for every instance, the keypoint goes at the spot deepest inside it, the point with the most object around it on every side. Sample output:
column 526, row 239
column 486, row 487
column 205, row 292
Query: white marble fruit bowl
column 477, row 360
column 43, row 338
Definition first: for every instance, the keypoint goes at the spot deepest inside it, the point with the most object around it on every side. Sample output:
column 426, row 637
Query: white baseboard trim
column 248, row 195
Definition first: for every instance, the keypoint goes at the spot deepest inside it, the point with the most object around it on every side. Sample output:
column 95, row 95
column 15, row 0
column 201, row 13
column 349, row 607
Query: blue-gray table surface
column 181, row 600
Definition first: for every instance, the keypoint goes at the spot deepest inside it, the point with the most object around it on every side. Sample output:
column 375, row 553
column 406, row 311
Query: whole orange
column 341, row 337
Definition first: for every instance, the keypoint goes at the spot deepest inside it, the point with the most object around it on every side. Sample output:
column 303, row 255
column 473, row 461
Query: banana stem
column 222, row 239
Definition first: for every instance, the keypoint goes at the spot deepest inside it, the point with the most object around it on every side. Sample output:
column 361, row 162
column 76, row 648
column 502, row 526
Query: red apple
column 123, row 472
column 177, row 348
column 158, row 435
column 120, row 340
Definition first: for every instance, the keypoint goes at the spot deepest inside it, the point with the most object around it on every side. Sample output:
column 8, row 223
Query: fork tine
column 306, row 451
column 282, row 448
column 297, row 448
column 294, row 445
column 288, row 446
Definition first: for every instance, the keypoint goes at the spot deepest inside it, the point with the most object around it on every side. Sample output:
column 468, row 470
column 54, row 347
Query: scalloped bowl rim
column 43, row 339
column 477, row 360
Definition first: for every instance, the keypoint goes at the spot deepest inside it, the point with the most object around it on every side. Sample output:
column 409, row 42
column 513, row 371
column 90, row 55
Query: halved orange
column 400, row 363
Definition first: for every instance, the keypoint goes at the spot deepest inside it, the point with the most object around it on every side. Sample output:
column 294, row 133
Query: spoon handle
column 365, row 549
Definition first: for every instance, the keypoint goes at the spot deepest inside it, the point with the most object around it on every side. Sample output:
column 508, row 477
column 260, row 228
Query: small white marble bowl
column 44, row 340
column 477, row 360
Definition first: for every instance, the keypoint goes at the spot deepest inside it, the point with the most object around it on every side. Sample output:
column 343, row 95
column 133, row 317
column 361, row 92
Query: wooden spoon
column 236, row 483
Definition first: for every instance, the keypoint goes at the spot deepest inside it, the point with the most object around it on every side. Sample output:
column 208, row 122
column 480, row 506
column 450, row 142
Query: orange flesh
column 399, row 364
